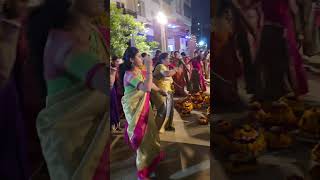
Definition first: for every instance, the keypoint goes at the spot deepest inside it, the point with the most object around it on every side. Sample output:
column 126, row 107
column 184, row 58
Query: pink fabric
column 103, row 169
column 145, row 173
column 196, row 64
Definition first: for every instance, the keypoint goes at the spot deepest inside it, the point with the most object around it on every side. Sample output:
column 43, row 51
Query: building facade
column 177, row 30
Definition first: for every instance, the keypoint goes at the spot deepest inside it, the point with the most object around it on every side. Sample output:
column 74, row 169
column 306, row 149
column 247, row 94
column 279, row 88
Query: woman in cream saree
column 74, row 126
column 141, row 130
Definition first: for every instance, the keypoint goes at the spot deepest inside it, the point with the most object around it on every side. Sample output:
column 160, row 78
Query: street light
column 162, row 20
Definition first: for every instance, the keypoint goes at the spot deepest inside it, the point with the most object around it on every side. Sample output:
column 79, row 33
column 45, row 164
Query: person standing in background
column 188, row 69
column 156, row 57
column 115, row 103
column 179, row 77
column 197, row 76
column 165, row 105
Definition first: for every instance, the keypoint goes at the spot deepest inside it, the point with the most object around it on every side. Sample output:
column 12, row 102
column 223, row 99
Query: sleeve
column 135, row 82
column 162, row 69
column 83, row 66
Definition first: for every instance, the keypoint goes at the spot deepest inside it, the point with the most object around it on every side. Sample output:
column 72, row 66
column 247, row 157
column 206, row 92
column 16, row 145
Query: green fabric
column 56, row 85
column 74, row 129
column 133, row 84
column 80, row 64
column 74, row 126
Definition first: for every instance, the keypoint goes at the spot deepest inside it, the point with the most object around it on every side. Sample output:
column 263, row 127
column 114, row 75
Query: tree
column 122, row 28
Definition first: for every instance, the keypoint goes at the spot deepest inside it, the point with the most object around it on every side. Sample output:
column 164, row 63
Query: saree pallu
column 165, row 109
column 141, row 131
column 74, row 134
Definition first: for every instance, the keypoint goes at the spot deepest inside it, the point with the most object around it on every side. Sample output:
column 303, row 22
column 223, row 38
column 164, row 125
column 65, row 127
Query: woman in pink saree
column 198, row 82
column 141, row 131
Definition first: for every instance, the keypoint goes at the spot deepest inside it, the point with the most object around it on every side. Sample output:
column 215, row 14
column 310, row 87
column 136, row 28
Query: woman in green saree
column 141, row 130
column 74, row 126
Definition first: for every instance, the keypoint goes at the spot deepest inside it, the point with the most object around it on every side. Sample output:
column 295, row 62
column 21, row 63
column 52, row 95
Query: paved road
column 187, row 152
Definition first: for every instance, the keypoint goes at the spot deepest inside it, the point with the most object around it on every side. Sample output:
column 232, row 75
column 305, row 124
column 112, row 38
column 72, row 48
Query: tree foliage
column 122, row 28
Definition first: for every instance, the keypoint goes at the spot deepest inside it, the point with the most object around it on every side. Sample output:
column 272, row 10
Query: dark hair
column 183, row 54
column 161, row 57
column 114, row 58
column 52, row 14
column 175, row 52
column 158, row 52
column 144, row 54
column 130, row 52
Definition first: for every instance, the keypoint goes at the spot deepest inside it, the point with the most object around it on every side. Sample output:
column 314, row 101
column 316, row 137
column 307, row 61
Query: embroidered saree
column 141, row 130
column 74, row 126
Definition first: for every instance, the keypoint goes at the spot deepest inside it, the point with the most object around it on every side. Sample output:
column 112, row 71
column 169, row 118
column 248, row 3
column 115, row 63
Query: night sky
column 201, row 11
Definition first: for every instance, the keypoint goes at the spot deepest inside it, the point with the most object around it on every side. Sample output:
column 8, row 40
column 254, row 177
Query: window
column 141, row 9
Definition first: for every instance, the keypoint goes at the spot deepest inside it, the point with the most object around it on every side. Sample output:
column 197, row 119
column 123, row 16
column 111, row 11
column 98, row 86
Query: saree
column 141, row 131
column 74, row 126
column 164, row 104
column 187, row 72
column 179, row 78
column 197, row 77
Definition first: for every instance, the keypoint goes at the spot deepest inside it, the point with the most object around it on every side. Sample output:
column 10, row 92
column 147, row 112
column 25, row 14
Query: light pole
column 163, row 20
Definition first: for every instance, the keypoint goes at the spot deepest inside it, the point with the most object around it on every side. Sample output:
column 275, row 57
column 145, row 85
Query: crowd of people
column 176, row 73
column 55, row 93
column 263, row 42
column 140, row 85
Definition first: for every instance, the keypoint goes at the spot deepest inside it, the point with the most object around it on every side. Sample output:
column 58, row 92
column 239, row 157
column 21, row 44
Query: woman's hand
column 148, row 63
column 162, row 92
